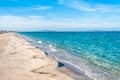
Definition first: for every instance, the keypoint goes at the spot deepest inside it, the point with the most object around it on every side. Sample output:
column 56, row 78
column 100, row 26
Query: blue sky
column 65, row 15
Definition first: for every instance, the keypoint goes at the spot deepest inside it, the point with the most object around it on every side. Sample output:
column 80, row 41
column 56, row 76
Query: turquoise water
column 97, row 54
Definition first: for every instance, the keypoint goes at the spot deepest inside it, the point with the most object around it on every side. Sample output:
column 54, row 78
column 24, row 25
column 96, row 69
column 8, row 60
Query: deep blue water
column 95, row 53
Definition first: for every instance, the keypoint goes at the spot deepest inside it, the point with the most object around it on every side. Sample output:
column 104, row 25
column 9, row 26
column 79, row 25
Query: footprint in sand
column 13, row 53
column 53, row 75
column 40, row 72
column 37, row 57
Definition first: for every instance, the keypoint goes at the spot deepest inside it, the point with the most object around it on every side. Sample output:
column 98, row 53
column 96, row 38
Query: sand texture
column 21, row 61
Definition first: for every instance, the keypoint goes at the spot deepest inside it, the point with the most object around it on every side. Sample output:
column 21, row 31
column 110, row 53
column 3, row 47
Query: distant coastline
column 5, row 31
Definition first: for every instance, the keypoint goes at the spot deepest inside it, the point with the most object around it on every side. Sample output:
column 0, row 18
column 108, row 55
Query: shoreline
column 22, row 61
column 67, row 68
column 71, row 70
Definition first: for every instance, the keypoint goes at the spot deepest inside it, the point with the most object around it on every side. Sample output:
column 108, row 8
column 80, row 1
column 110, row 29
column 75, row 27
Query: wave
column 40, row 42
column 52, row 48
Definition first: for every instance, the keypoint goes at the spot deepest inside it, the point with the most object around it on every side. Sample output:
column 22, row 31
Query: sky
column 59, row 15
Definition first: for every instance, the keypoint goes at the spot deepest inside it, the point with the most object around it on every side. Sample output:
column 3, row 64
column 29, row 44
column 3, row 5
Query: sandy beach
column 19, row 60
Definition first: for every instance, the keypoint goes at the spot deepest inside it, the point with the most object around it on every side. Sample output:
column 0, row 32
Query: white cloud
column 85, row 6
column 30, row 23
column 36, row 17
column 42, row 7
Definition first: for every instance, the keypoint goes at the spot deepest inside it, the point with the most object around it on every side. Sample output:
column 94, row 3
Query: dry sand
column 21, row 61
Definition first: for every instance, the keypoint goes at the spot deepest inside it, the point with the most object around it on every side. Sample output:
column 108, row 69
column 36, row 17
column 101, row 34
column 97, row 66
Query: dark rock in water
column 60, row 64
column 46, row 53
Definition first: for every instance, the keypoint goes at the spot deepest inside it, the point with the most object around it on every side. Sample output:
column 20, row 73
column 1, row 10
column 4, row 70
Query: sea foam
column 52, row 48
column 40, row 42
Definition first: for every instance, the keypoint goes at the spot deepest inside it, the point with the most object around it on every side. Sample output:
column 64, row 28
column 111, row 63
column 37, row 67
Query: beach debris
column 60, row 64
column 46, row 53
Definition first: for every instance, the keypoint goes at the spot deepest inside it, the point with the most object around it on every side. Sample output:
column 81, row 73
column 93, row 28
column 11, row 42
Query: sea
column 96, row 54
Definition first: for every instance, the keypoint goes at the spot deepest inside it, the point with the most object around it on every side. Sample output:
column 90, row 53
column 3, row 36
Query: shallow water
column 95, row 53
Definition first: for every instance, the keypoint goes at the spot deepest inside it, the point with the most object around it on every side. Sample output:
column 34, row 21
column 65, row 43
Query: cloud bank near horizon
column 36, row 23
